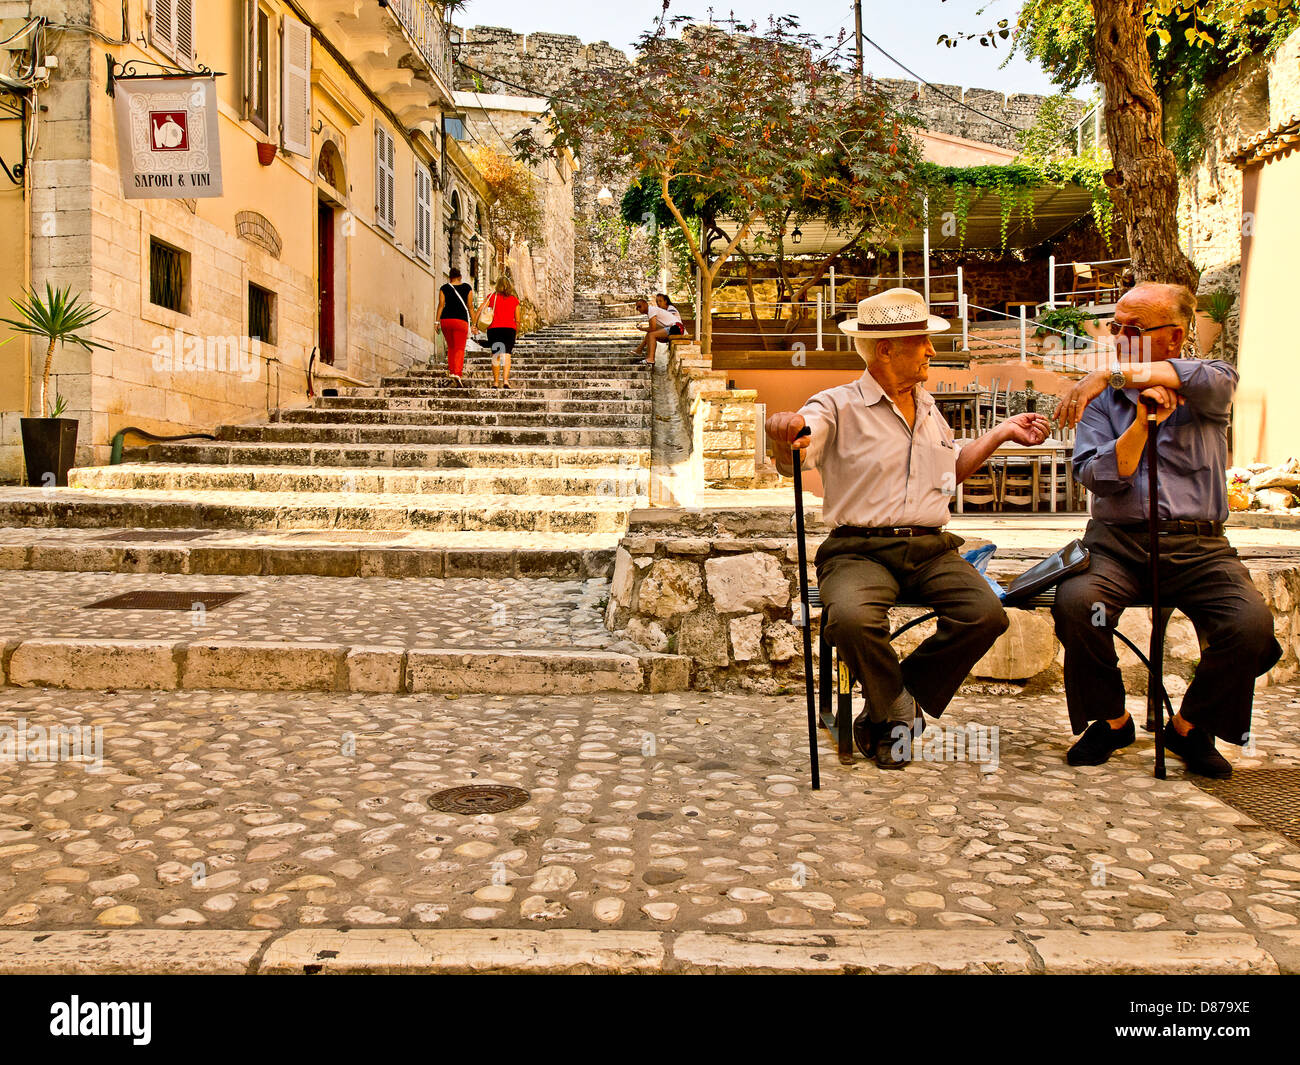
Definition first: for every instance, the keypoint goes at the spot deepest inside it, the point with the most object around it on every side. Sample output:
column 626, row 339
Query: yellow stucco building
column 342, row 207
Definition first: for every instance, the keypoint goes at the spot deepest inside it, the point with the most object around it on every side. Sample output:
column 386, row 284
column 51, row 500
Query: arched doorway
column 331, row 255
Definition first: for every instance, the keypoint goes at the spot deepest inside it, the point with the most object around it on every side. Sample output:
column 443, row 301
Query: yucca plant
column 1218, row 305
column 59, row 317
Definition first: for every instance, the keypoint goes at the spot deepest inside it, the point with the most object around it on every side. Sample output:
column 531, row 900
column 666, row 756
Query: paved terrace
column 680, row 827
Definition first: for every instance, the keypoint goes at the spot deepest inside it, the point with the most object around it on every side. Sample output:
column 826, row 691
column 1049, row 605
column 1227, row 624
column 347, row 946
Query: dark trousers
column 1201, row 576
column 860, row 578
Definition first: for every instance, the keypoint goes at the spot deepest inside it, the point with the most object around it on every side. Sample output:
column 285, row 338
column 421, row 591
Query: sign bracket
column 129, row 70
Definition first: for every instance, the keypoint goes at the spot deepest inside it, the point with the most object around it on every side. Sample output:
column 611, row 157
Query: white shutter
column 295, row 87
column 184, row 37
column 423, row 212
column 172, row 29
column 385, row 209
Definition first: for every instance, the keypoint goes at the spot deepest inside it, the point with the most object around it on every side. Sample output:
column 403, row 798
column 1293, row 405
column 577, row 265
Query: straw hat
column 896, row 312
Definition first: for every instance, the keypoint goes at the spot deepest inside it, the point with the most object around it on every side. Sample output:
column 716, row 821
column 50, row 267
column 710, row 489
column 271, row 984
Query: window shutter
column 184, row 35
column 172, row 31
column 250, row 57
column 295, row 87
column 423, row 211
column 385, row 209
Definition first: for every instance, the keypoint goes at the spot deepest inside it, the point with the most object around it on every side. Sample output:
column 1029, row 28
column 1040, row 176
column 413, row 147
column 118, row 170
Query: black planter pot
column 49, row 447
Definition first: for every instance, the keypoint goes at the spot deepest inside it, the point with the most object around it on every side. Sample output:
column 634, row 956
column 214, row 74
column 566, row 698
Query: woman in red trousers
column 455, row 312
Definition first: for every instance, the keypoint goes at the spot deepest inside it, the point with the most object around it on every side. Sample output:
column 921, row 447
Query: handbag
column 486, row 312
column 1071, row 559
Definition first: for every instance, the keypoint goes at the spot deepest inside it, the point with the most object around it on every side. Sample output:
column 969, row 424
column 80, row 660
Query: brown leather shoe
column 893, row 744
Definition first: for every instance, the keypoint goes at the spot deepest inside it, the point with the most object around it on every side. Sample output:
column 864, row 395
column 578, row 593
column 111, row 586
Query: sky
column 908, row 29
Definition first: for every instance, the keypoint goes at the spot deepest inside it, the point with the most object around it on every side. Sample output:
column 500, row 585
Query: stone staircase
column 411, row 478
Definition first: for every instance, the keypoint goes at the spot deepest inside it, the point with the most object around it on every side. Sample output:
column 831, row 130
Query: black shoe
column 1198, row 753
column 1098, row 743
column 862, row 734
column 893, row 747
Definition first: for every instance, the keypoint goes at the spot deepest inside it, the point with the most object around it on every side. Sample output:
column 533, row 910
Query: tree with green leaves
column 1145, row 54
column 762, row 124
column 58, row 318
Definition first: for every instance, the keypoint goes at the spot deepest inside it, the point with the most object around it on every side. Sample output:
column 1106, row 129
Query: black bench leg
column 1154, row 694
column 825, row 660
column 844, row 715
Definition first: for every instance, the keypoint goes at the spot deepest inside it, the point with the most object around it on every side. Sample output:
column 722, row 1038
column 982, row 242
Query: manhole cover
column 478, row 799
column 148, row 600
column 153, row 535
column 1269, row 796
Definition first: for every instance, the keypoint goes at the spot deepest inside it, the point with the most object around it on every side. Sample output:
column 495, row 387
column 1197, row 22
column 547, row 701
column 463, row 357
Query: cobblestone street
column 675, row 811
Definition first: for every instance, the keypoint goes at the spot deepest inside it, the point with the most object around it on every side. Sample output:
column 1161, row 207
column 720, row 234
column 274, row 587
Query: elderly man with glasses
column 1200, row 572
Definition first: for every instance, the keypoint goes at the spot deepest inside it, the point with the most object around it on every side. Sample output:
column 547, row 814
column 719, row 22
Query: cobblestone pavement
column 676, row 811
column 451, row 612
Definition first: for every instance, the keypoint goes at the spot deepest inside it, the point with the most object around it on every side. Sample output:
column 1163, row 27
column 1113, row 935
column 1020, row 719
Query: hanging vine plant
column 1015, row 184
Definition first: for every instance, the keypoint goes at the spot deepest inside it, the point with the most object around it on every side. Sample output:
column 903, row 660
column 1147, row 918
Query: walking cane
column 1156, row 653
column 803, row 606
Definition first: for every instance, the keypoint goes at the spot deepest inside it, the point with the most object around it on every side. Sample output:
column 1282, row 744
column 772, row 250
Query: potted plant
column 59, row 317
column 266, row 152
column 1211, row 316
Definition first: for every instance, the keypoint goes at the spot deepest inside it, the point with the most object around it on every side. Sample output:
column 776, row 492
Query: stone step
column 624, row 389
column 417, row 456
column 514, row 418
column 624, row 480
column 292, row 633
column 435, row 391
column 458, row 400
column 82, row 509
column 562, row 376
column 261, row 665
column 320, row 553
column 405, row 435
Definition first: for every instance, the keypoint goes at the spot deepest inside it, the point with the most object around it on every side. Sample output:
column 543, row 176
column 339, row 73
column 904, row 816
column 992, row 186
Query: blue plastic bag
column 979, row 558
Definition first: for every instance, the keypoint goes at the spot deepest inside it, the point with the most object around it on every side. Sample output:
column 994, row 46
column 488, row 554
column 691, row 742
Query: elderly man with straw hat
column 889, row 468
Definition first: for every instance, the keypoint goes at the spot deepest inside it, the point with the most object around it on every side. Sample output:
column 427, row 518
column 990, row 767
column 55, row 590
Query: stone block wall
column 723, row 421
column 722, row 587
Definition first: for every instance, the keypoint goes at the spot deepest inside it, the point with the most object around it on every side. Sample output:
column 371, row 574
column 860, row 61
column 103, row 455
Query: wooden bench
column 835, row 684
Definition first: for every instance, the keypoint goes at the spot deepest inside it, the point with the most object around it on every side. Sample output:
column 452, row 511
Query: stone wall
column 723, row 422
column 1245, row 102
column 721, row 586
column 543, row 274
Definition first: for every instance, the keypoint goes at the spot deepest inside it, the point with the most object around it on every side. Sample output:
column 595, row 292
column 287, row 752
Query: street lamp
column 604, row 197
column 797, row 235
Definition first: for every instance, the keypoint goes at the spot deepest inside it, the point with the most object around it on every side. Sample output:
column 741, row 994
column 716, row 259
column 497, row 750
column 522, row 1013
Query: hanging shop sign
column 168, row 145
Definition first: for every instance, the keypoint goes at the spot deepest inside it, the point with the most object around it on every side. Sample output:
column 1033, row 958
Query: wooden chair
column 1017, row 486
column 980, row 488
column 1090, row 283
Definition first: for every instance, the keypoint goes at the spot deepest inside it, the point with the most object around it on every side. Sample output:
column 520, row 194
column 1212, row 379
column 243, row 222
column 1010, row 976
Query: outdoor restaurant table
column 1056, row 450
column 967, row 404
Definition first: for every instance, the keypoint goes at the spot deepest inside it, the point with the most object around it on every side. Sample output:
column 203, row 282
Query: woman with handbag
column 502, row 329
column 455, row 312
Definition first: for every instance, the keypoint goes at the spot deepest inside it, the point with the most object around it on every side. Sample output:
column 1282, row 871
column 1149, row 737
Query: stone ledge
column 281, row 666
column 610, row 951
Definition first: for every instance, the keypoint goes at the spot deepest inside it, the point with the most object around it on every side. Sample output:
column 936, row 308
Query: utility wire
column 935, row 88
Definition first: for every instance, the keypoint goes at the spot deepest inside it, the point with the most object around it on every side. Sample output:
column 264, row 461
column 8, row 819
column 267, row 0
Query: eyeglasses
column 1133, row 332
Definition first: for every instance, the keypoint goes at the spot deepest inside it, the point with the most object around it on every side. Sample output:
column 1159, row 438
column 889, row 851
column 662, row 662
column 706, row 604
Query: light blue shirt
column 1192, row 449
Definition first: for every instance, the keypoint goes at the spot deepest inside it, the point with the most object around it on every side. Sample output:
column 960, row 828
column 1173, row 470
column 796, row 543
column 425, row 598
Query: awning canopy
column 1054, row 210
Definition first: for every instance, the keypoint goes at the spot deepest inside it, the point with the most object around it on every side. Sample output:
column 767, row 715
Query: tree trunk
column 705, row 324
column 45, row 381
column 1143, row 180
column 753, row 302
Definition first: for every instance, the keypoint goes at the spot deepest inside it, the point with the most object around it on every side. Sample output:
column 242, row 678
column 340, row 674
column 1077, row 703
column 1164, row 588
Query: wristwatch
column 1117, row 379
